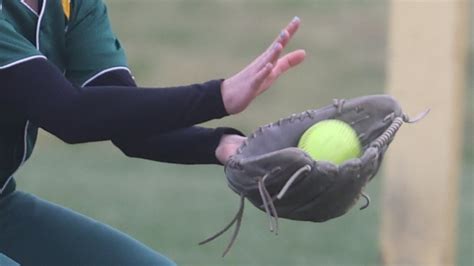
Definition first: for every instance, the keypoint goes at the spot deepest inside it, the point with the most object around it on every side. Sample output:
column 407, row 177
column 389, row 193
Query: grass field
column 171, row 208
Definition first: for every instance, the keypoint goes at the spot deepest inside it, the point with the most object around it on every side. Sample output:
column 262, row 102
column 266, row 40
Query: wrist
column 226, row 99
column 228, row 146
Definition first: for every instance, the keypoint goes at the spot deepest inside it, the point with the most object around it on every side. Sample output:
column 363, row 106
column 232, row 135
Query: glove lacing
column 268, row 205
column 386, row 137
column 237, row 220
column 397, row 122
column 268, row 200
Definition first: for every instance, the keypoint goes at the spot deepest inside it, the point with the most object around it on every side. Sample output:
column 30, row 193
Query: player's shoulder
column 85, row 7
column 14, row 47
column 5, row 27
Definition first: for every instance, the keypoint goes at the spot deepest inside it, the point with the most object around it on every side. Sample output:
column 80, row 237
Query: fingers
column 270, row 56
column 282, row 39
column 293, row 26
column 282, row 65
column 289, row 31
column 262, row 75
column 288, row 61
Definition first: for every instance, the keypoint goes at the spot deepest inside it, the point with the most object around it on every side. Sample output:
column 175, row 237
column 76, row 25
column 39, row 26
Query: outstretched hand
column 239, row 90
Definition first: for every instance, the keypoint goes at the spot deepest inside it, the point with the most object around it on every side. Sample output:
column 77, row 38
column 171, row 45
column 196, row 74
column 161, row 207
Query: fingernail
column 276, row 46
column 282, row 34
column 296, row 18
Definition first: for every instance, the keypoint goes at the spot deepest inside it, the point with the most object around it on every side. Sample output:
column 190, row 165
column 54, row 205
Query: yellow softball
column 331, row 140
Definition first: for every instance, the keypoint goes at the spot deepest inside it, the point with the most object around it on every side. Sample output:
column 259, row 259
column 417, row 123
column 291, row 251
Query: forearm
column 193, row 145
column 101, row 113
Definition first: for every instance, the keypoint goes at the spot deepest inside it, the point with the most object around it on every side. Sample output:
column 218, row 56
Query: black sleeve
column 191, row 145
column 37, row 91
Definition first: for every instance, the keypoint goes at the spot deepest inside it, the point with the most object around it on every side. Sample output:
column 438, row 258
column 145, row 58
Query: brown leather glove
column 282, row 180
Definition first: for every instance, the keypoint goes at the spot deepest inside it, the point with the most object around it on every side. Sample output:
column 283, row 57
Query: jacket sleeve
column 14, row 48
column 92, row 48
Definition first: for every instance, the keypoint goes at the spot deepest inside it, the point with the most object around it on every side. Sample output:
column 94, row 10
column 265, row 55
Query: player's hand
column 228, row 146
column 239, row 90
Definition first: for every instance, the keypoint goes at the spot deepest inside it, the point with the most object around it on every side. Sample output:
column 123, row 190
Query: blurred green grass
column 171, row 207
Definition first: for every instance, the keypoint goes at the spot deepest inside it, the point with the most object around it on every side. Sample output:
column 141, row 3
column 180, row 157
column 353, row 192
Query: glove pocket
column 337, row 196
column 243, row 172
column 304, row 190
